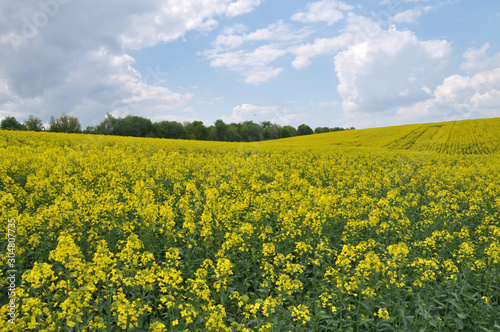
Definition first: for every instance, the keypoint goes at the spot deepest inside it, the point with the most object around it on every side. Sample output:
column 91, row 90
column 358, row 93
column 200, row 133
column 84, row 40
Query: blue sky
column 323, row 63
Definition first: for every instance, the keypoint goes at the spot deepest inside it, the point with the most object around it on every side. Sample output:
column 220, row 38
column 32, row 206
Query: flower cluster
column 117, row 233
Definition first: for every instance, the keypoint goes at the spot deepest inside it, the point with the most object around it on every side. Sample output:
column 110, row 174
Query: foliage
column 232, row 133
column 65, row 124
column 10, row 123
column 135, row 126
column 34, row 124
column 107, row 127
column 220, row 130
column 251, row 132
column 196, row 130
column 170, row 129
column 304, row 129
column 320, row 130
column 287, row 131
column 375, row 231
column 247, row 131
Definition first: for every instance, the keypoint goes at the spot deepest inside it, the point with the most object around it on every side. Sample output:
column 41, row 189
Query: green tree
column 284, row 132
column 266, row 124
column 271, row 131
column 170, row 129
column 320, row 130
column 232, row 133
column 212, row 134
column 287, row 131
column 304, row 129
column 135, row 126
column 10, row 123
column 196, row 130
column 65, row 124
column 221, row 130
column 108, row 126
column 34, row 124
column 336, row 129
column 251, row 132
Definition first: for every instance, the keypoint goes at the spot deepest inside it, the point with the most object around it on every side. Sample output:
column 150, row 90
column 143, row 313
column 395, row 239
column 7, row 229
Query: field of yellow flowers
column 386, row 229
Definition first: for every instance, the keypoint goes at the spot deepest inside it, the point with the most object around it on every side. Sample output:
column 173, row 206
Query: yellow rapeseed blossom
column 316, row 231
column 382, row 313
column 301, row 314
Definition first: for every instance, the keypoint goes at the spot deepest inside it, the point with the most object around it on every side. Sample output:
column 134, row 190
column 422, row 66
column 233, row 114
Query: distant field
column 384, row 229
column 455, row 137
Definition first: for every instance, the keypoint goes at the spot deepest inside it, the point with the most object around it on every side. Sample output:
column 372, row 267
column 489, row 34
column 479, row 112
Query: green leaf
column 460, row 324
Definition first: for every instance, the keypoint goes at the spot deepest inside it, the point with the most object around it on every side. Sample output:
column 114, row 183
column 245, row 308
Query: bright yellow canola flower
column 323, row 231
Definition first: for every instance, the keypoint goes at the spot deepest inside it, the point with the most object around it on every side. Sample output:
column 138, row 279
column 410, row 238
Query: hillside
column 346, row 231
column 480, row 136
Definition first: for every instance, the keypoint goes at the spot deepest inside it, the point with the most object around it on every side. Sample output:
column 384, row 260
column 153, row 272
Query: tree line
column 137, row 126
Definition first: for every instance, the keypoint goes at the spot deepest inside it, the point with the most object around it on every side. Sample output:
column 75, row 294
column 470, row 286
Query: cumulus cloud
column 320, row 46
column 170, row 20
column 476, row 60
column 365, row 68
column 411, row 15
column 408, row 16
column 98, row 84
column 231, row 50
column 329, row 11
column 234, row 37
column 281, row 115
column 254, row 65
column 364, row 54
column 462, row 97
column 70, row 56
column 241, row 7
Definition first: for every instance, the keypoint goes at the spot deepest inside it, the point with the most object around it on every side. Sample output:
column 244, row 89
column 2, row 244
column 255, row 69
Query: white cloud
column 411, row 15
column 231, row 50
column 408, row 16
column 245, row 111
column 329, row 11
column 320, row 46
column 366, row 68
column 461, row 97
column 254, row 66
column 174, row 18
column 100, row 83
column 241, row 7
column 5, row 93
column 234, row 37
column 69, row 56
column 357, row 30
column 262, row 74
column 276, row 114
column 476, row 60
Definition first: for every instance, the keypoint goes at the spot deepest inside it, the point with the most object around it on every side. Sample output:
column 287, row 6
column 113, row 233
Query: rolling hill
column 480, row 136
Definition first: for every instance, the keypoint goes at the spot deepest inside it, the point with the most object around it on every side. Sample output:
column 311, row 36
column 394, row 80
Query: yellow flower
column 382, row 313
column 40, row 274
column 301, row 313
column 158, row 327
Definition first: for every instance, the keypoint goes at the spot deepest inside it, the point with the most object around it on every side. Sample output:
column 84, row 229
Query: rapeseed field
column 385, row 229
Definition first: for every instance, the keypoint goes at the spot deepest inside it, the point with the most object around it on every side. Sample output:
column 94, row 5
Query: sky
column 327, row 63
